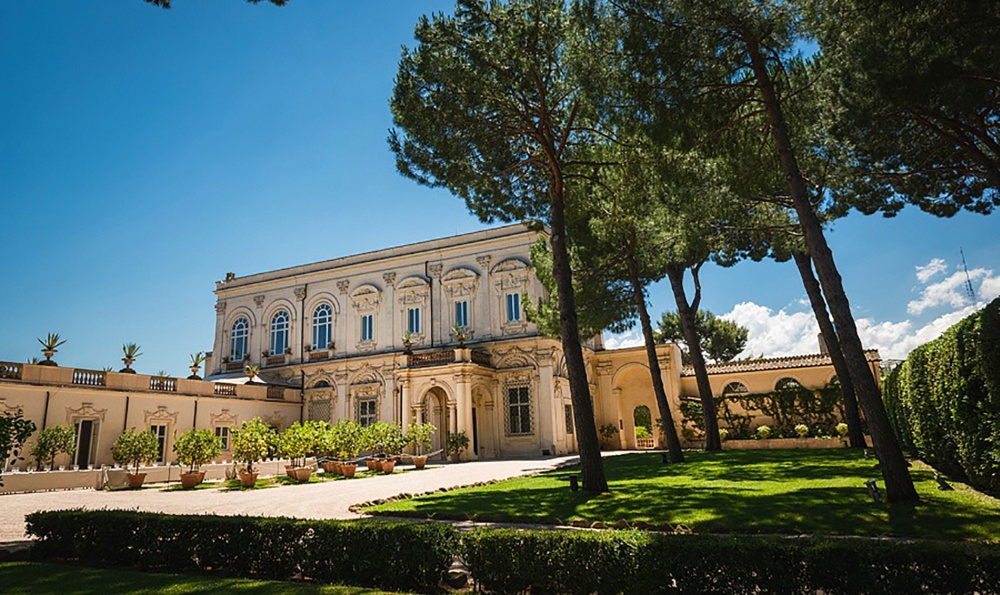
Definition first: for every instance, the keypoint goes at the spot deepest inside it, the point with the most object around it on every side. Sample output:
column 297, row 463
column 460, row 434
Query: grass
column 736, row 491
column 28, row 578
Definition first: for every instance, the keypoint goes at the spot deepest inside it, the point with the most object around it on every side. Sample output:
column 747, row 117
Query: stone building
column 433, row 331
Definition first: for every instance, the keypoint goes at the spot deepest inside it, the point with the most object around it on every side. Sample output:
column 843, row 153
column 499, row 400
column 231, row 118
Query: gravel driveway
column 327, row 500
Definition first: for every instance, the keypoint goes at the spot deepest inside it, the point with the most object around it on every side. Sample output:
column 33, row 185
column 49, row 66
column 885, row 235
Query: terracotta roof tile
column 775, row 363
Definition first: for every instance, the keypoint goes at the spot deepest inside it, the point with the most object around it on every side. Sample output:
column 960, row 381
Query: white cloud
column 775, row 333
column 632, row 338
column 935, row 266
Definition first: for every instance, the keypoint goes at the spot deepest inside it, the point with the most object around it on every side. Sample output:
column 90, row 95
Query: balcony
column 449, row 356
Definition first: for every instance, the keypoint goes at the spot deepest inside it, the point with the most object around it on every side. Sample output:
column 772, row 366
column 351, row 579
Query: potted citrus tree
column 393, row 442
column 132, row 449
column 349, row 443
column 296, row 443
column 458, row 442
column 195, row 448
column 419, row 435
column 51, row 442
column 249, row 444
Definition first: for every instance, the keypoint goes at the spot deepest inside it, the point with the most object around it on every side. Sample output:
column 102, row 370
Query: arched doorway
column 484, row 443
column 434, row 407
column 643, row 422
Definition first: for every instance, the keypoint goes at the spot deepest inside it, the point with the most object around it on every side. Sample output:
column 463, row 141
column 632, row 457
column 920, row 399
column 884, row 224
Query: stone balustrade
column 62, row 376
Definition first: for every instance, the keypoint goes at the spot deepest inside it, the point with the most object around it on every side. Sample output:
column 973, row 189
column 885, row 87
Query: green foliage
column 131, row 350
column 721, row 340
column 51, row 442
column 763, row 431
column 14, row 432
column 386, row 555
column 132, row 448
column 511, row 560
column 195, row 448
column 385, row 438
column 251, row 442
column 52, row 341
column 608, row 431
column 788, row 407
column 692, row 417
column 299, row 441
column 197, row 359
column 802, row 430
column 944, row 402
column 457, row 442
column 643, row 432
column 419, row 434
column 350, row 438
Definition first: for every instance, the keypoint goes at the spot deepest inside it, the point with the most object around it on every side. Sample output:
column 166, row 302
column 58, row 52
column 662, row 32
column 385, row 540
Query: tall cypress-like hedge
column 944, row 400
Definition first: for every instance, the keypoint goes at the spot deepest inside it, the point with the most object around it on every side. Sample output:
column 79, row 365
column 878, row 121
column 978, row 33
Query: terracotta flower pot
column 302, row 474
column 189, row 480
column 388, row 465
column 248, row 480
column 348, row 469
column 290, row 471
column 455, row 457
column 371, row 464
column 135, row 480
column 338, row 468
column 330, row 468
column 420, row 461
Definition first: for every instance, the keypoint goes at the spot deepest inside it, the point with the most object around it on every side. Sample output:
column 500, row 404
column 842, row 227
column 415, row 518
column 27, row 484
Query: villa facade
column 434, row 331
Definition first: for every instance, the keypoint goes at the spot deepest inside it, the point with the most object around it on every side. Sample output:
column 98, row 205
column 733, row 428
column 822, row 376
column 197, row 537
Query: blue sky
column 144, row 153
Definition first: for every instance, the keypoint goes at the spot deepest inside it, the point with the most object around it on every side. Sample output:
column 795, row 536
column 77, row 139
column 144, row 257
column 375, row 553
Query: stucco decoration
column 5, row 408
column 511, row 276
column 460, row 282
column 515, row 358
column 366, row 298
column 161, row 416
column 220, row 308
column 85, row 411
column 275, row 420
column 224, row 418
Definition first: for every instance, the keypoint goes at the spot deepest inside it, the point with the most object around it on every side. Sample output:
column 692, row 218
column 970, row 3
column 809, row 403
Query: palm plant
column 251, row 371
column 131, row 352
column 197, row 359
column 50, row 345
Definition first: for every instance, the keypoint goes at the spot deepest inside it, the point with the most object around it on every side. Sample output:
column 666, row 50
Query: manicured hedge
column 944, row 400
column 508, row 561
column 388, row 555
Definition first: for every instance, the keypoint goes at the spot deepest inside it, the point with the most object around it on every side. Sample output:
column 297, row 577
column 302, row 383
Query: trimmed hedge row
column 387, row 555
column 508, row 561
column 944, row 400
column 412, row 556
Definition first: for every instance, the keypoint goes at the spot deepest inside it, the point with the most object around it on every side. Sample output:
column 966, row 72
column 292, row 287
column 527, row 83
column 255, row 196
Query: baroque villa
column 434, row 331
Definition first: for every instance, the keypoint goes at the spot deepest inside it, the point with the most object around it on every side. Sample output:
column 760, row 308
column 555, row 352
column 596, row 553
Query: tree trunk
column 898, row 483
column 855, row 436
column 591, row 464
column 687, row 316
column 666, row 418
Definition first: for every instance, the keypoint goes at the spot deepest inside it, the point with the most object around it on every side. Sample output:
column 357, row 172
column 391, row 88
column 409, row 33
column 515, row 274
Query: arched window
column 279, row 332
column 239, row 339
column 322, row 326
column 735, row 388
column 787, row 384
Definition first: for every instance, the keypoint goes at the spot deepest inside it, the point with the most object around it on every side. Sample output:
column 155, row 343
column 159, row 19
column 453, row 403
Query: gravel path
column 327, row 500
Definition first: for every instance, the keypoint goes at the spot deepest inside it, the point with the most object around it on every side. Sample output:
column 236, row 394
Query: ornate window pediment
column 511, row 278
column 460, row 282
column 366, row 298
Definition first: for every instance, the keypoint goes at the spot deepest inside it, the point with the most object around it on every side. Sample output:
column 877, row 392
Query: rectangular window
column 518, row 411
column 160, row 431
column 367, row 327
column 367, row 414
column 513, row 307
column 569, row 419
column 222, row 433
column 413, row 320
column 462, row 313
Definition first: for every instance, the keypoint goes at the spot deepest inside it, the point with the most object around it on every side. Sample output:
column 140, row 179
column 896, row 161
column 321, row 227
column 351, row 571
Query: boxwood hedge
column 388, row 555
column 944, row 400
column 508, row 561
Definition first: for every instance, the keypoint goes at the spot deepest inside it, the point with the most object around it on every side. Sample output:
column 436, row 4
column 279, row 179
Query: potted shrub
column 50, row 345
column 350, row 436
column 131, row 353
column 251, row 372
column 14, row 432
column 251, row 442
column 608, row 432
column 763, row 432
column 842, row 432
column 802, row 430
column 51, row 442
column 132, row 449
column 197, row 359
column 419, row 435
column 393, row 442
column 374, row 440
column 327, row 437
column 195, row 448
column 457, row 443
column 296, row 443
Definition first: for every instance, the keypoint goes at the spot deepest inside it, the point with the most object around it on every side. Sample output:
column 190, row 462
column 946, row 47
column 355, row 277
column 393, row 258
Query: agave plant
column 197, row 359
column 50, row 345
column 131, row 352
column 251, row 371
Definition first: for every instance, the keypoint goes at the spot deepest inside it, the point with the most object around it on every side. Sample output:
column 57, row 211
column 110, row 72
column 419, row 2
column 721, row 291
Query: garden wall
column 944, row 400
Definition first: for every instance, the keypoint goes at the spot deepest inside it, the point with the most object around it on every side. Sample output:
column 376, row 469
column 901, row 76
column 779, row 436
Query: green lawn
column 748, row 491
column 26, row 578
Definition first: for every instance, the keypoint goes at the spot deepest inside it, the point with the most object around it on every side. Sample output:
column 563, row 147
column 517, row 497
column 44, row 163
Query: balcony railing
column 434, row 358
column 224, row 389
column 276, row 393
column 167, row 385
column 89, row 378
column 315, row 356
column 10, row 371
column 274, row 360
column 482, row 358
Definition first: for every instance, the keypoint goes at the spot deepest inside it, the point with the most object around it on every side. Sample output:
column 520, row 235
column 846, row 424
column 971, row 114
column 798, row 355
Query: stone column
column 463, row 409
column 439, row 332
column 346, row 315
column 617, row 392
column 390, row 326
column 404, row 391
column 221, row 349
